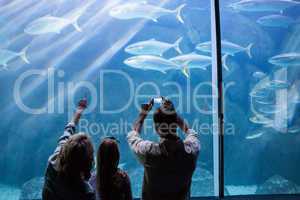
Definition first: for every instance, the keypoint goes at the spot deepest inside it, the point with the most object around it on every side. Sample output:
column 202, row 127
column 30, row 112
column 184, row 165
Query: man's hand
column 146, row 108
column 182, row 124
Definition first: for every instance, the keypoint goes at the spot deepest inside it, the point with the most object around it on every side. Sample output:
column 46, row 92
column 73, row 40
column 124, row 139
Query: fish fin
column 186, row 71
column 248, row 50
column 155, row 20
column 76, row 26
column 177, row 45
column 224, row 62
column 178, row 12
column 23, row 55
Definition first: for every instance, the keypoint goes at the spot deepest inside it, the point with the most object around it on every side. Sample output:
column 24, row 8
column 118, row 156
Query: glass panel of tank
column 116, row 53
column 260, row 40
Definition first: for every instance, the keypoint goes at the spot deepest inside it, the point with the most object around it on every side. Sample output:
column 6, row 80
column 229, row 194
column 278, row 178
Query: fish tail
column 76, row 26
column 177, row 45
column 186, row 71
column 224, row 62
column 23, row 55
column 178, row 11
column 248, row 50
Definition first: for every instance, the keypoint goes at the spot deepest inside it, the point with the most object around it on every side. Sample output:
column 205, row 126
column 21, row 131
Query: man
column 69, row 167
column 169, row 164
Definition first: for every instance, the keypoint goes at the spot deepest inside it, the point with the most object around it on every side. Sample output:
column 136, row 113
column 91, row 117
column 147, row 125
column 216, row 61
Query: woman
column 69, row 168
column 110, row 182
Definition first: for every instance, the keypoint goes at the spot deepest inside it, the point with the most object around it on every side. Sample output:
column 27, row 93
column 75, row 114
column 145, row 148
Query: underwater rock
column 32, row 189
column 9, row 193
column 241, row 189
column 277, row 185
column 203, row 183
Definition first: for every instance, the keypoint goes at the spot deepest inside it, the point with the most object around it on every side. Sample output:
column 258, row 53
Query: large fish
column 143, row 10
column 277, row 84
column 192, row 61
column 263, row 5
column 152, row 47
column 196, row 61
column 270, row 109
column 149, row 62
column 51, row 24
column 228, row 48
column 256, row 134
column 260, row 119
column 286, row 59
column 277, row 21
column 259, row 75
column 6, row 56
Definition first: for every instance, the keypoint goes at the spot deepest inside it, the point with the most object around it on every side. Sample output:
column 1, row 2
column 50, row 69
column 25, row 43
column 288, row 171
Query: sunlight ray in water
column 108, row 54
column 11, row 5
column 69, row 49
column 19, row 7
column 39, row 51
column 22, row 19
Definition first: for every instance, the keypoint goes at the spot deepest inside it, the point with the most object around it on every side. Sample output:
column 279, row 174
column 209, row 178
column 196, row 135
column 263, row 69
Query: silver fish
column 260, row 119
column 255, row 135
column 152, row 47
column 270, row 109
column 6, row 56
column 294, row 129
column 263, row 5
column 277, row 84
column 276, row 21
column 51, row 24
column 143, row 10
column 228, row 48
column 286, row 59
column 192, row 61
column 258, row 75
column 149, row 62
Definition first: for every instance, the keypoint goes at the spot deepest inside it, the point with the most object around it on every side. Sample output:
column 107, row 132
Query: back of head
column 76, row 159
column 165, row 120
column 108, row 157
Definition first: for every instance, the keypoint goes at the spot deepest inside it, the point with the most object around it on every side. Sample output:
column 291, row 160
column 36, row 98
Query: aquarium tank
column 120, row 53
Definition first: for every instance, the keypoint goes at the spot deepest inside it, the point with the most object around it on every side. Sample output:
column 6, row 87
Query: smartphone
column 158, row 100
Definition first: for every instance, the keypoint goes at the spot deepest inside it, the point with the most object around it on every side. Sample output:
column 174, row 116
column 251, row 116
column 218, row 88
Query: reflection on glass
column 116, row 53
column 261, row 157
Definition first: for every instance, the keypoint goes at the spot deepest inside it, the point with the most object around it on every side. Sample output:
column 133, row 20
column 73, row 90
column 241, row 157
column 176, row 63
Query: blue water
column 266, row 163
